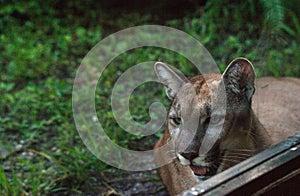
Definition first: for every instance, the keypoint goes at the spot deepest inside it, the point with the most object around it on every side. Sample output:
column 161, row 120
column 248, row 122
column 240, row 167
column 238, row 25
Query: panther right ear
column 239, row 77
column 172, row 79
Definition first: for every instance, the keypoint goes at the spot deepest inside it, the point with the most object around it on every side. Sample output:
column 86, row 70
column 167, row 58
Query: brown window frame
column 275, row 171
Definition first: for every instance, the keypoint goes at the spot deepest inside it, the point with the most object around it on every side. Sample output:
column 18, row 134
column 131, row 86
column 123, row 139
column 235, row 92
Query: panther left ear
column 172, row 79
column 239, row 77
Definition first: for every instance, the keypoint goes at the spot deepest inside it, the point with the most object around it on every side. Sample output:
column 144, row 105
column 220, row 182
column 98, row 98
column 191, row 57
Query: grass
column 41, row 49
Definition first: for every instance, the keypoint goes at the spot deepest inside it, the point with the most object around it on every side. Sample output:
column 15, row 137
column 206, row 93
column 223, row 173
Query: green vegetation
column 43, row 43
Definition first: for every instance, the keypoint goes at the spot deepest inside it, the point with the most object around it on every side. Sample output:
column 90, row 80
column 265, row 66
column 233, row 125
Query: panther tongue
column 198, row 170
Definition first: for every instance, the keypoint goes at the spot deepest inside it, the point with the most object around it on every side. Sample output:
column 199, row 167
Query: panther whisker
column 239, row 154
column 241, row 149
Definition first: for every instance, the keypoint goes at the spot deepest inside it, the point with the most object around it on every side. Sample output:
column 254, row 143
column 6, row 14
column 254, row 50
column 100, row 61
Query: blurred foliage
column 43, row 43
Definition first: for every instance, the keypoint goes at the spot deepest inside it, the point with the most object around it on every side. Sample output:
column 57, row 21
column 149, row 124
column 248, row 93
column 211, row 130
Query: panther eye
column 216, row 120
column 176, row 120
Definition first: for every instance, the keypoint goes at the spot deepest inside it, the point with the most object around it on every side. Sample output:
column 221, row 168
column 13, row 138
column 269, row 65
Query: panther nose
column 189, row 155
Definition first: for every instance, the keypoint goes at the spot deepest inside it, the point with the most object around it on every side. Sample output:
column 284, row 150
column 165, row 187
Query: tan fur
column 276, row 103
column 175, row 176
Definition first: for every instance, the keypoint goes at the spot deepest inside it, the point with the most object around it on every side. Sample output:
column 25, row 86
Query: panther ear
column 173, row 80
column 239, row 77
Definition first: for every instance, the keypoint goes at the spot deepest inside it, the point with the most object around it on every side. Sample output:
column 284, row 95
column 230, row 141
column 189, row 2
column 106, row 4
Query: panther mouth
column 203, row 171
column 199, row 170
column 199, row 166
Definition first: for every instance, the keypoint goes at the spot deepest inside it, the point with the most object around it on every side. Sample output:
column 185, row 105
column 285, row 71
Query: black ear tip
column 245, row 65
column 241, row 60
column 159, row 65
